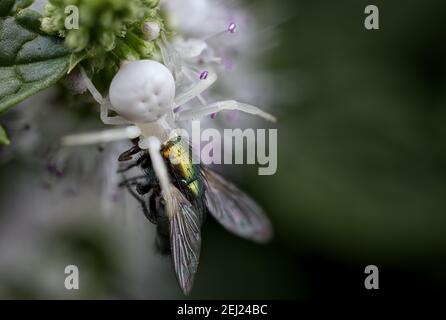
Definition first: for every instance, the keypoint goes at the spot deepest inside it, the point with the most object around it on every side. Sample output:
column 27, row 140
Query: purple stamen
column 204, row 75
column 214, row 115
column 177, row 109
column 232, row 27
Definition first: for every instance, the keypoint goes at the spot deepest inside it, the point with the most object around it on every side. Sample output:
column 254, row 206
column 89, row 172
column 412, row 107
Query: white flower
column 190, row 50
column 38, row 5
column 232, row 54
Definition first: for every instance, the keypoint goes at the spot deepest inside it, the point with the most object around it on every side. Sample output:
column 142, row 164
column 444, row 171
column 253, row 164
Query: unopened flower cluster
column 109, row 30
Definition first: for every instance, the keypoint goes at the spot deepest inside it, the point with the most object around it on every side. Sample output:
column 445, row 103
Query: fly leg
column 151, row 216
column 162, row 242
column 142, row 188
column 131, row 165
column 128, row 155
column 134, row 181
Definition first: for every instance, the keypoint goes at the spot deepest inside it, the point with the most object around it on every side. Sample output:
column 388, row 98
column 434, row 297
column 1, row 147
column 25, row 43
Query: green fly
column 198, row 190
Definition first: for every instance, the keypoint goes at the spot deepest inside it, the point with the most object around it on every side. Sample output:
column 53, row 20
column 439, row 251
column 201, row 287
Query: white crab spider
column 142, row 94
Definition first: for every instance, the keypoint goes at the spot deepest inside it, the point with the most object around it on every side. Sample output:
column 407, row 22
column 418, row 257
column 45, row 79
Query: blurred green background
column 361, row 177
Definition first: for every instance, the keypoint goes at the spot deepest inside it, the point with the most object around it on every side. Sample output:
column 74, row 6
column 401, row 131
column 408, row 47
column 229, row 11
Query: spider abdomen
column 142, row 91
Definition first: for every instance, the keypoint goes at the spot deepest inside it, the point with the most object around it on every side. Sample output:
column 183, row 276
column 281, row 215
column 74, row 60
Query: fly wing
column 185, row 239
column 235, row 210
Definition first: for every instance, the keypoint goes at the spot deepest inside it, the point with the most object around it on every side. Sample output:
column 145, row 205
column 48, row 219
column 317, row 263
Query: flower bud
column 151, row 30
column 77, row 39
column 107, row 40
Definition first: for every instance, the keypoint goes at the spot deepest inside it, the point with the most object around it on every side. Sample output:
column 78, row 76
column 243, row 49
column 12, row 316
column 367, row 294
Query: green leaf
column 30, row 61
column 6, row 6
column 3, row 137
column 21, row 4
column 75, row 59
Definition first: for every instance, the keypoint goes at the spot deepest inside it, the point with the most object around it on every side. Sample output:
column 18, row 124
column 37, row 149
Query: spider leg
column 159, row 166
column 104, row 103
column 220, row 106
column 170, row 56
column 91, row 87
column 196, row 89
column 106, row 119
column 103, row 136
column 188, row 75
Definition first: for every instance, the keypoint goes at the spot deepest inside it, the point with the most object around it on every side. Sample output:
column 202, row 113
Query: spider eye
column 142, row 91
